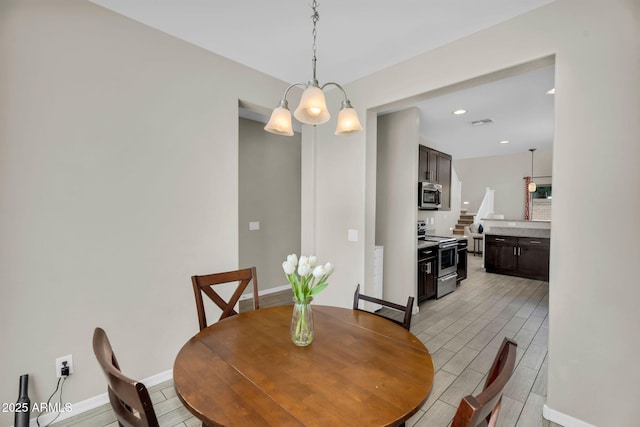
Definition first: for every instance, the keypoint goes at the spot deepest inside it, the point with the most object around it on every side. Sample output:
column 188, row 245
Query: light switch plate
column 254, row 225
column 352, row 236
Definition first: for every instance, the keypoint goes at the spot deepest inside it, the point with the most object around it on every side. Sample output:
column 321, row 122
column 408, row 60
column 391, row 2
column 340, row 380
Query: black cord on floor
column 58, row 386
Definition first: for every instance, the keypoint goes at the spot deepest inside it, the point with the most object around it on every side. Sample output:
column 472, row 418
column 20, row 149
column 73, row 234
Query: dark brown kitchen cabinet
column 435, row 167
column 444, row 179
column 427, row 273
column 517, row 256
column 533, row 258
column 461, row 257
column 424, row 168
column 499, row 254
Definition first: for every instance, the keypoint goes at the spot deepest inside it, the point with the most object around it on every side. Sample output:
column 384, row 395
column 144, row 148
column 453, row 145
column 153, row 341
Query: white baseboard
column 562, row 419
column 97, row 401
column 266, row 292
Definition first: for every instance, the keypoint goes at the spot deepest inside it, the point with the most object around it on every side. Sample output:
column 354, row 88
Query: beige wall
column 269, row 187
column 504, row 175
column 118, row 181
column 592, row 348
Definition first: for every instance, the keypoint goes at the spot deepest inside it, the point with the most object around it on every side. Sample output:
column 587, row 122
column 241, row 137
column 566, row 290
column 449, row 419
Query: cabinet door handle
column 499, row 239
column 535, row 242
column 519, row 250
column 429, row 268
column 514, row 251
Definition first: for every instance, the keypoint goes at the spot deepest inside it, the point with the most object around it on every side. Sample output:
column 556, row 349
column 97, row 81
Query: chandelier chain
column 315, row 17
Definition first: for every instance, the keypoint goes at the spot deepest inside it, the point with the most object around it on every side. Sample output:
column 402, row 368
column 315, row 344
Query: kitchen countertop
column 526, row 221
column 424, row 244
column 520, row 232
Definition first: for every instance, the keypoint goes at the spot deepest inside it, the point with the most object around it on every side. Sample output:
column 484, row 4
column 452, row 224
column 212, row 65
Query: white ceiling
column 356, row 38
column 518, row 105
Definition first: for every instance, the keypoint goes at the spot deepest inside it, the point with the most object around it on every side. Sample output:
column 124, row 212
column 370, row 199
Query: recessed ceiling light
column 551, row 91
column 459, row 112
column 504, row 141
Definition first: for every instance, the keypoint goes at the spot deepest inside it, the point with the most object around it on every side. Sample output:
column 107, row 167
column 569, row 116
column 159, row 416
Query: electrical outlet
column 60, row 365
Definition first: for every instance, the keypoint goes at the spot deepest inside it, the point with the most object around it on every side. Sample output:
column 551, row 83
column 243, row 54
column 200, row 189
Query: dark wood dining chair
column 484, row 408
column 204, row 284
column 129, row 398
column 405, row 309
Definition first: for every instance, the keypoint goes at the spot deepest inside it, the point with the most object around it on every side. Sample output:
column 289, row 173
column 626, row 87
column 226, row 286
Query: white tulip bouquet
column 306, row 277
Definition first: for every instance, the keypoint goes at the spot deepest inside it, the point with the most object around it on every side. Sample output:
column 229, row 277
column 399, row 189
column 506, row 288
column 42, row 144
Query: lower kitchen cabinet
column 533, row 258
column 517, row 256
column 427, row 273
column 500, row 254
column 462, row 260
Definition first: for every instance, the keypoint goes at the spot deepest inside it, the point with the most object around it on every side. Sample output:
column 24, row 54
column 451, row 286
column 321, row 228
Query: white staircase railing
column 486, row 206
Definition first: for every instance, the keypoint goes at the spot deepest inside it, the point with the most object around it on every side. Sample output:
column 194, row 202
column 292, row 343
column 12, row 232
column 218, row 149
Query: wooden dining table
column 360, row 369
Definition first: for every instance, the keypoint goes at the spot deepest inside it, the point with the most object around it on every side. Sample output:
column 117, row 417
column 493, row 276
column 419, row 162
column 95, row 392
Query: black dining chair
column 404, row 309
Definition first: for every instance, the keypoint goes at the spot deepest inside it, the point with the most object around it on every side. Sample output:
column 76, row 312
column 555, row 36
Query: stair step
column 465, row 221
column 459, row 227
column 458, row 232
column 467, row 217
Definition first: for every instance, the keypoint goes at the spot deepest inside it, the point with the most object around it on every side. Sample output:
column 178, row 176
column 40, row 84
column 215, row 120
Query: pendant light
column 532, row 185
column 312, row 109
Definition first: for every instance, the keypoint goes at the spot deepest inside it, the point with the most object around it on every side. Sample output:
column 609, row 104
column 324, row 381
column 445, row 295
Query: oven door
column 447, row 262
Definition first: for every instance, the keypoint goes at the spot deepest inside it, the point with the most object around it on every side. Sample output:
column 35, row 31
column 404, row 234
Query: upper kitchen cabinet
column 435, row 166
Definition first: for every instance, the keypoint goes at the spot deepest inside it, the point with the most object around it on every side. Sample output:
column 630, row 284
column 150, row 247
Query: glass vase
column 302, row 323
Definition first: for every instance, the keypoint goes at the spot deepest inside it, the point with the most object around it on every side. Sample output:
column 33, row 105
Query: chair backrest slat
column 129, row 398
column 204, row 284
column 474, row 410
column 406, row 309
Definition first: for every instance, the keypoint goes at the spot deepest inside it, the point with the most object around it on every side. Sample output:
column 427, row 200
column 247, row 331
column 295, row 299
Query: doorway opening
column 269, row 199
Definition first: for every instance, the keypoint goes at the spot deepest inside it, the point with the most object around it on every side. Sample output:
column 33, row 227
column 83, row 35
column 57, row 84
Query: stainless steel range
column 447, row 260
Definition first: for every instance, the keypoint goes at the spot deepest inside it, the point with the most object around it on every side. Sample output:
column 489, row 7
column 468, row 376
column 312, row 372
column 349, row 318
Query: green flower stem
column 306, row 287
column 301, row 327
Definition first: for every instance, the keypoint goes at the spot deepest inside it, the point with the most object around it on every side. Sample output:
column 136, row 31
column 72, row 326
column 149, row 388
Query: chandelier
column 312, row 109
column 532, row 185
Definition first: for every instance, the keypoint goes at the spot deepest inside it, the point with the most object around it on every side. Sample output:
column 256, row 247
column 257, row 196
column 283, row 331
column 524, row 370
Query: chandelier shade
column 347, row 120
column 312, row 109
column 280, row 120
column 532, row 185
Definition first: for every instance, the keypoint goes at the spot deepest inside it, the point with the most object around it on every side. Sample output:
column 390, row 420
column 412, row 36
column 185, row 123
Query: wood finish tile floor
column 462, row 331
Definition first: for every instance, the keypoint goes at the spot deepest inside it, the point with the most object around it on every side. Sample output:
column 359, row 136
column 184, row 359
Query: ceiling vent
column 482, row 122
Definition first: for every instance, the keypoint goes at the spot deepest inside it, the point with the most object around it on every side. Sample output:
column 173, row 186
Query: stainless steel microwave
column 429, row 195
